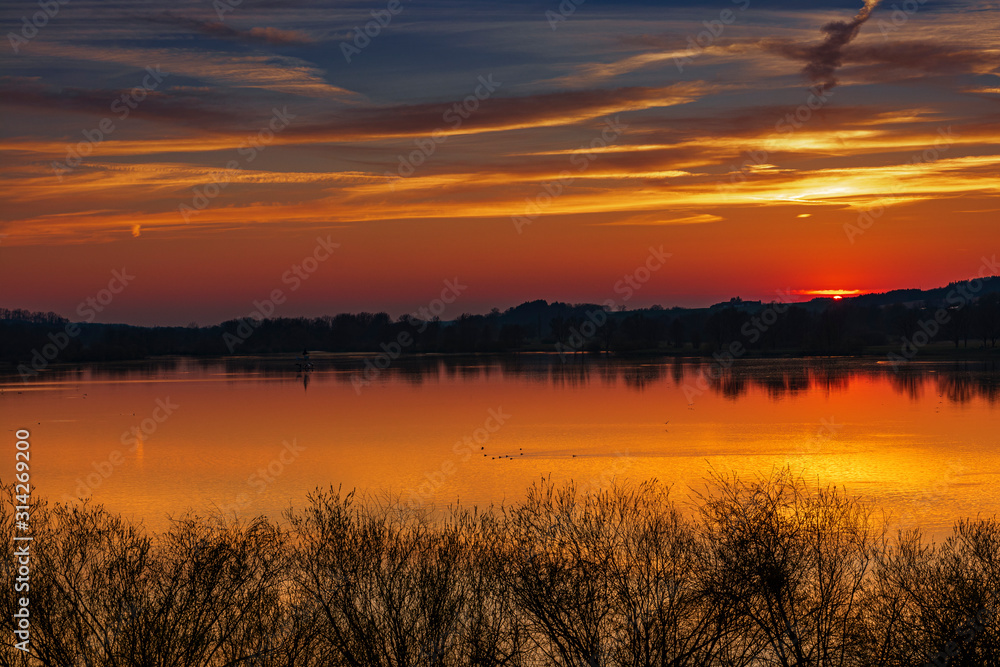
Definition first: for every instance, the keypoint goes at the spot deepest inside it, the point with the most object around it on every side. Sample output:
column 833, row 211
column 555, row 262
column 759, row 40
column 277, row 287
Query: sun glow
column 835, row 293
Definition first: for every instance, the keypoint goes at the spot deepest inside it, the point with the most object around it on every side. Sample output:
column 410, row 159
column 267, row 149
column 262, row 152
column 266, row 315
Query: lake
column 253, row 436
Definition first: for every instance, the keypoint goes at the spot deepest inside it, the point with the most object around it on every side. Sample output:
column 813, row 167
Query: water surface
column 252, row 436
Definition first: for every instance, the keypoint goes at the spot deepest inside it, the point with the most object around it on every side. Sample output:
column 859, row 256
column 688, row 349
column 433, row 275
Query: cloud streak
column 266, row 35
column 825, row 58
column 277, row 74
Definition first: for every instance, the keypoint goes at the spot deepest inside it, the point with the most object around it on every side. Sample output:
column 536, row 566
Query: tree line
column 821, row 326
column 774, row 570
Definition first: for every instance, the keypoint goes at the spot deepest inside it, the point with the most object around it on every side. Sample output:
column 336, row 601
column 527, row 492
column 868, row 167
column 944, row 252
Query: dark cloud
column 219, row 30
column 207, row 111
column 823, row 59
column 548, row 109
column 895, row 60
column 923, row 56
column 163, row 105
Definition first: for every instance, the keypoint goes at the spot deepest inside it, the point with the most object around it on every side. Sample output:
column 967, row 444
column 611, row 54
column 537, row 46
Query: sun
column 836, row 294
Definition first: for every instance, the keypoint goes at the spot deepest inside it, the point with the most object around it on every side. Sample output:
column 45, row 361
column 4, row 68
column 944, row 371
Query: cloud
column 278, row 36
column 895, row 60
column 591, row 73
column 823, row 59
column 273, row 198
column 498, row 114
column 658, row 219
column 924, row 56
column 191, row 106
column 220, row 128
column 280, row 74
column 267, row 35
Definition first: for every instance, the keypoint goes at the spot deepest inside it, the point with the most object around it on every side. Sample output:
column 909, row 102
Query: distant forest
column 965, row 314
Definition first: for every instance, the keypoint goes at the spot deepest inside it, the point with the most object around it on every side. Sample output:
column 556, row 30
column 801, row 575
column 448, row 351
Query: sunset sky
column 758, row 149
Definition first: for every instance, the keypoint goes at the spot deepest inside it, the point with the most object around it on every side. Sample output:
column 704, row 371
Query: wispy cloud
column 257, row 35
column 660, row 219
column 280, row 74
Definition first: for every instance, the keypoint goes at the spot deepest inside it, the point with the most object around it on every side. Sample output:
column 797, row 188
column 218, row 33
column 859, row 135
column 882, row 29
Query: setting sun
column 835, row 293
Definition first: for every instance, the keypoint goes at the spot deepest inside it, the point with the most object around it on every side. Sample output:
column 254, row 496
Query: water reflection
column 958, row 381
column 671, row 418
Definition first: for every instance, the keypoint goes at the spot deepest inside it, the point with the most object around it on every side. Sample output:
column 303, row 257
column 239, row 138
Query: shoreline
column 934, row 354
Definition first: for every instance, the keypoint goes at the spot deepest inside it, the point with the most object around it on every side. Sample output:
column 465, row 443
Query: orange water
column 923, row 443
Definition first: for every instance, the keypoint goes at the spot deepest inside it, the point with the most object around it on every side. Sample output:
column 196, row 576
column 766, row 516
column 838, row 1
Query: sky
column 345, row 156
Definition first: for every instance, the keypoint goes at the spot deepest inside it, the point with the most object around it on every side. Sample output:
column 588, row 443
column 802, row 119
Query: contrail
column 824, row 59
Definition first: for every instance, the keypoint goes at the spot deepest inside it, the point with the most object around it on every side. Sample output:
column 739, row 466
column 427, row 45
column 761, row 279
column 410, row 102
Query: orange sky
column 890, row 180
